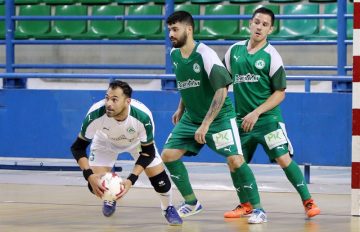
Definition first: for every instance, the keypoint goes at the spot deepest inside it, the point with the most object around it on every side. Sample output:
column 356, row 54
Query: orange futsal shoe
column 311, row 208
column 244, row 209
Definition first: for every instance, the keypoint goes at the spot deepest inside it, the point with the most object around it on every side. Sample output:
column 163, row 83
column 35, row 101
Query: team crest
column 260, row 64
column 130, row 130
column 196, row 68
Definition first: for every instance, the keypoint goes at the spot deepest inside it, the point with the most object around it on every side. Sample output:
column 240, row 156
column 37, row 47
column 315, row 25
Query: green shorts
column 272, row 137
column 222, row 137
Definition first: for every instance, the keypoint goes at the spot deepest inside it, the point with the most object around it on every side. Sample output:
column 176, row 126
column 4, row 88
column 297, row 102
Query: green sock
column 296, row 178
column 180, row 177
column 239, row 190
column 246, row 179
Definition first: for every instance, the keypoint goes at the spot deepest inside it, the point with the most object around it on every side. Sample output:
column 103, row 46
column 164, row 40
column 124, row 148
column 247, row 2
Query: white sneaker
column 258, row 216
column 186, row 210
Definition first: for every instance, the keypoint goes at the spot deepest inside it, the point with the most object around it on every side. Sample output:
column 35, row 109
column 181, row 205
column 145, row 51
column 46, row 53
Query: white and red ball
column 113, row 184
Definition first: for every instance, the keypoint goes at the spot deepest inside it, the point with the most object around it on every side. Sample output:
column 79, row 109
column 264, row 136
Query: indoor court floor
column 38, row 201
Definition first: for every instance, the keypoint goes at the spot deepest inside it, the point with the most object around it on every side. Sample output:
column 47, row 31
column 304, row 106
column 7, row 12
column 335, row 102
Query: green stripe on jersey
column 145, row 119
column 90, row 117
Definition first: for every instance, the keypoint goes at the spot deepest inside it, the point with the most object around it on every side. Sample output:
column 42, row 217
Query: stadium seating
column 322, row 1
column 163, row 1
column 193, row 10
column 68, row 28
column 132, row 2
column 217, row 29
column 205, row 1
column 100, row 29
column 244, row 1
column 33, row 28
column 2, row 22
column 297, row 28
column 95, row 2
column 59, row 2
column 350, row 22
column 284, row 1
column 26, row 2
column 148, row 29
column 328, row 29
column 249, row 10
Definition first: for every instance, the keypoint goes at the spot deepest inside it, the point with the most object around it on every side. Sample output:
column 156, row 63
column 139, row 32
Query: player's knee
column 90, row 188
column 235, row 161
column 161, row 182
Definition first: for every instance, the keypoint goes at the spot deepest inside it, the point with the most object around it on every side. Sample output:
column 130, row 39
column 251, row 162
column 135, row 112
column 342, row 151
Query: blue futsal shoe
column 172, row 216
column 109, row 208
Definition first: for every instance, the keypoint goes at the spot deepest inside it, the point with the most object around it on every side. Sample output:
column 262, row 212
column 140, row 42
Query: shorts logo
column 223, row 139
column 196, row 68
column 260, row 64
column 275, row 138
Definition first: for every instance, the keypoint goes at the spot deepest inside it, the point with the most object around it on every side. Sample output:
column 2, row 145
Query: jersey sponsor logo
column 223, row 139
column 260, row 64
column 275, row 139
column 175, row 64
column 190, row 83
column 105, row 128
column 249, row 77
column 196, row 68
column 123, row 137
column 147, row 124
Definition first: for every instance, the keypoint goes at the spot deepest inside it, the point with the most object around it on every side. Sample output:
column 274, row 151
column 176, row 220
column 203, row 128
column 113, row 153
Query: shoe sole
column 189, row 214
column 257, row 222
column 313, row 213
column 240, row 216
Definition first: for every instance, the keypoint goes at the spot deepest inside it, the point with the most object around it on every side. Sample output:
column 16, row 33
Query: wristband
column 133, row 178
column 87, row 173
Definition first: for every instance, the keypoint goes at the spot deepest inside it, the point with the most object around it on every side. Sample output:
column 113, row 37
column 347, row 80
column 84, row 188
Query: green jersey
column 255, row 77
column 197, row 78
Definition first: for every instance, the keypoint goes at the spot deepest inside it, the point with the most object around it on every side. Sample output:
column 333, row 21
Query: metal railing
column 15, row 80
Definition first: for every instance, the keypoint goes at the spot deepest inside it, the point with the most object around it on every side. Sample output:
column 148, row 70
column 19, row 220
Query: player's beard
column 178, row 43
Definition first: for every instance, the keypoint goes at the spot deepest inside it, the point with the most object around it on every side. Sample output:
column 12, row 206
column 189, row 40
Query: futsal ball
column 113, row 184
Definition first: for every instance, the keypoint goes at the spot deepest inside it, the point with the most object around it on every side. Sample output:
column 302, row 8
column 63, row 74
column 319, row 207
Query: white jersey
column 136, row 129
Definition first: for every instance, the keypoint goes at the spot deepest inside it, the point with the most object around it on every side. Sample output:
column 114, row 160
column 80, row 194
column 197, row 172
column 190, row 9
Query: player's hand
column 127, row 185
column 177, row 116
column 94, row 181
column 200, row 134
column 249, row 121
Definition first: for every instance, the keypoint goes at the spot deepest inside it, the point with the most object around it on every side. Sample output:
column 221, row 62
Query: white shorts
column 104, row 154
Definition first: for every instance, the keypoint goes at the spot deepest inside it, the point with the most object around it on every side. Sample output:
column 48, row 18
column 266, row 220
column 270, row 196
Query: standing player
column 259, row 87
column 202, row 81
column 115, row 125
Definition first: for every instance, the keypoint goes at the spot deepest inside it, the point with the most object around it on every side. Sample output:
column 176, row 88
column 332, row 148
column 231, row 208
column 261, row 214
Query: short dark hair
column 267, row 11
column 181, row 17
column 127, row 90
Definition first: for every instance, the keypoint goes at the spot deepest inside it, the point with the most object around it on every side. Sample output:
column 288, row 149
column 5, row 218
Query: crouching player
column 116, row 125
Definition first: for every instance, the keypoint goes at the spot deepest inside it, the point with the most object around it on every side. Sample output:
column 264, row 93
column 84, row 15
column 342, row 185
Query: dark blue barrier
column 44, row 123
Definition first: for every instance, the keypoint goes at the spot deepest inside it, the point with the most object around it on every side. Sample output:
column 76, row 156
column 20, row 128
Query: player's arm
column 274, row 100
column 147, row 155
column 78, row 149
column 178, row 113
column 215, row 107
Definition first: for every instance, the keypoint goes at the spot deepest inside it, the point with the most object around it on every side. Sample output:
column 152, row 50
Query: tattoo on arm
column 216, row 105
